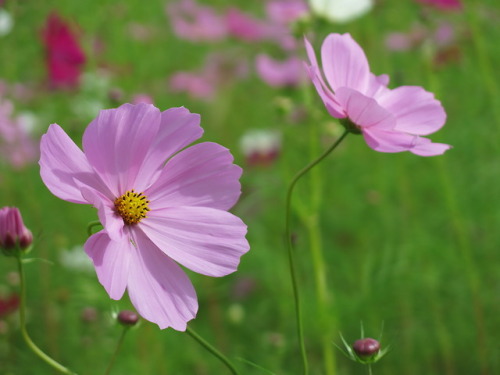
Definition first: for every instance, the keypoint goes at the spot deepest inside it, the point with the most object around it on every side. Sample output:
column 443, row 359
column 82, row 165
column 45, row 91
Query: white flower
column 6, row 22
column 340, row 10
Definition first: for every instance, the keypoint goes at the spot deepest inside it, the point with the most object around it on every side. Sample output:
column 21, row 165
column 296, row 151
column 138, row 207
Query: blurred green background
column 409, row 243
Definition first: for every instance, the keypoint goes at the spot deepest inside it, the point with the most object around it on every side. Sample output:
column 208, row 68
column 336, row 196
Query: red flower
column 64, row 56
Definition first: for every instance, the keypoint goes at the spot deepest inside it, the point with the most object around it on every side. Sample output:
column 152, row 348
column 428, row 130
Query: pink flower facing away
column 391, row 120
column 63, row 54
column 195, row 22
column 289, row 72
column 443, row 4
column 155, row 214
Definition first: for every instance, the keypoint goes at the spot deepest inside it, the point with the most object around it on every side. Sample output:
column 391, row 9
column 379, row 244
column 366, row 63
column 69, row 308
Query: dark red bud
column 366, row 348
column 128, row 318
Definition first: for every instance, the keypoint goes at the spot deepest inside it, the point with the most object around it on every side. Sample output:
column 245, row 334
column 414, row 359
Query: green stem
column 212, row 350
column 291, row 260
column 370, row 369
column 118, row 347
column 22, row 320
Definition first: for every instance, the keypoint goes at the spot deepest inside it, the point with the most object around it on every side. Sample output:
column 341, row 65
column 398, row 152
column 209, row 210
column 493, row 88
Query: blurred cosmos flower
column 286, row 11
column 289, row 72
column 218, row 70
column 439, row 44
column 340, row 10
column 6, row 22
column 13, row 233
column 142, row 98
column 391, row 120
column 261, row 147
column 443, row 4
column 16, row 144
column 195, row 22
column 154, row 213
column 63, row 55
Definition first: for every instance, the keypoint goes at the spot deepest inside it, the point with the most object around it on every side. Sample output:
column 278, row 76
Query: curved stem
column 291, row 260
column 212, row 350
column 22, row 320
column 118, row 347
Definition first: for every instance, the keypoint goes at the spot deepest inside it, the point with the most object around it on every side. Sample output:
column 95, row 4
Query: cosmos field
column 401, row 246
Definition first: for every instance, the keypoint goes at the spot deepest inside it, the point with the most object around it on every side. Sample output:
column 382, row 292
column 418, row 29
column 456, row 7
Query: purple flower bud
column 366, row 348
column 13, row 233
column 128, row 318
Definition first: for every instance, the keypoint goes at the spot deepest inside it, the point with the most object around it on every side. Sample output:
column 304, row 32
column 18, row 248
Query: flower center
column 132, row 207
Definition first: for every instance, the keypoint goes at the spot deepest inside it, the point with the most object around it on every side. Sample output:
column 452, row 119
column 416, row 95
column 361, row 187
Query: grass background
column 409, row 242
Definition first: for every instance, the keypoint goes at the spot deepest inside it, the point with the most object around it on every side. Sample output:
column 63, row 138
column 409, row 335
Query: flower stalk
column 291, row 259
column 212, row 350
column 22, row 320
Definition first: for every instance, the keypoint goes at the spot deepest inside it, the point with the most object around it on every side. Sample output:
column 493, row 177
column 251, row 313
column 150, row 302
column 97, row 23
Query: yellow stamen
column 132, row 207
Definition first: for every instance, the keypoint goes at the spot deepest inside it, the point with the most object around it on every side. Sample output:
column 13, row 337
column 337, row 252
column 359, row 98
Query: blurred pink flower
column 195, row 22
column 286, row 11
column 16, row 144
column 217, row 71
column 8, row 305
column 63, row 55
column 142, row 98
column 391, row 120
column 289, row 72
column 250, row 29
column 154, row 213
column 443, row 4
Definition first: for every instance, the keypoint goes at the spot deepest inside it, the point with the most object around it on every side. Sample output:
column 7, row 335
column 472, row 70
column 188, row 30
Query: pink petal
column 328, row 97
column 178, row 129
column 111, row 261
column 117, row 141
column 364, row 111
column 112, row 223
column 344, row 63
column 388, row 141
column 64, row 167
column 205, row 240
column 201, row 175
column 158, row 288
column 424, row 147
column 416, row 110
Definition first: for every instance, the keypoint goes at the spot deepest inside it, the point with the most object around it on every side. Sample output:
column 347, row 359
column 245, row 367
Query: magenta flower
column 154, row 213
column 391, row 120
column 64, row 56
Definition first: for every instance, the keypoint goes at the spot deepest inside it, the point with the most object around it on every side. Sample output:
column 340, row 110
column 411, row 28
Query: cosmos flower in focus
column 158, row 205
column 391, row 120
column 63, row 55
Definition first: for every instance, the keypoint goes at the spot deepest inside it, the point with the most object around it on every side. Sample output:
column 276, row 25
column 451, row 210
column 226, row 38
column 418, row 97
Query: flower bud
column 366, row 348
column 13, row 233
column 128, row 318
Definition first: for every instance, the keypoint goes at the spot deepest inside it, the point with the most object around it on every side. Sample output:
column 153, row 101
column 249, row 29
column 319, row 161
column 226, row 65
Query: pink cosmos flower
column 64, row 57
column 286, row 11
column 158, row 205
column 195, row 22
column 391, row 120
column 280, row 73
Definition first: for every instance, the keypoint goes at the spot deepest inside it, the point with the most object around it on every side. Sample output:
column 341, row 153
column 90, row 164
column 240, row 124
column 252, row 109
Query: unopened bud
column 366, row 348
column 13, row 234
column 128, row 318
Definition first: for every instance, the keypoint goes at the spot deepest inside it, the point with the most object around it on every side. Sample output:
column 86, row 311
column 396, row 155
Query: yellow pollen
column 132, row 207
